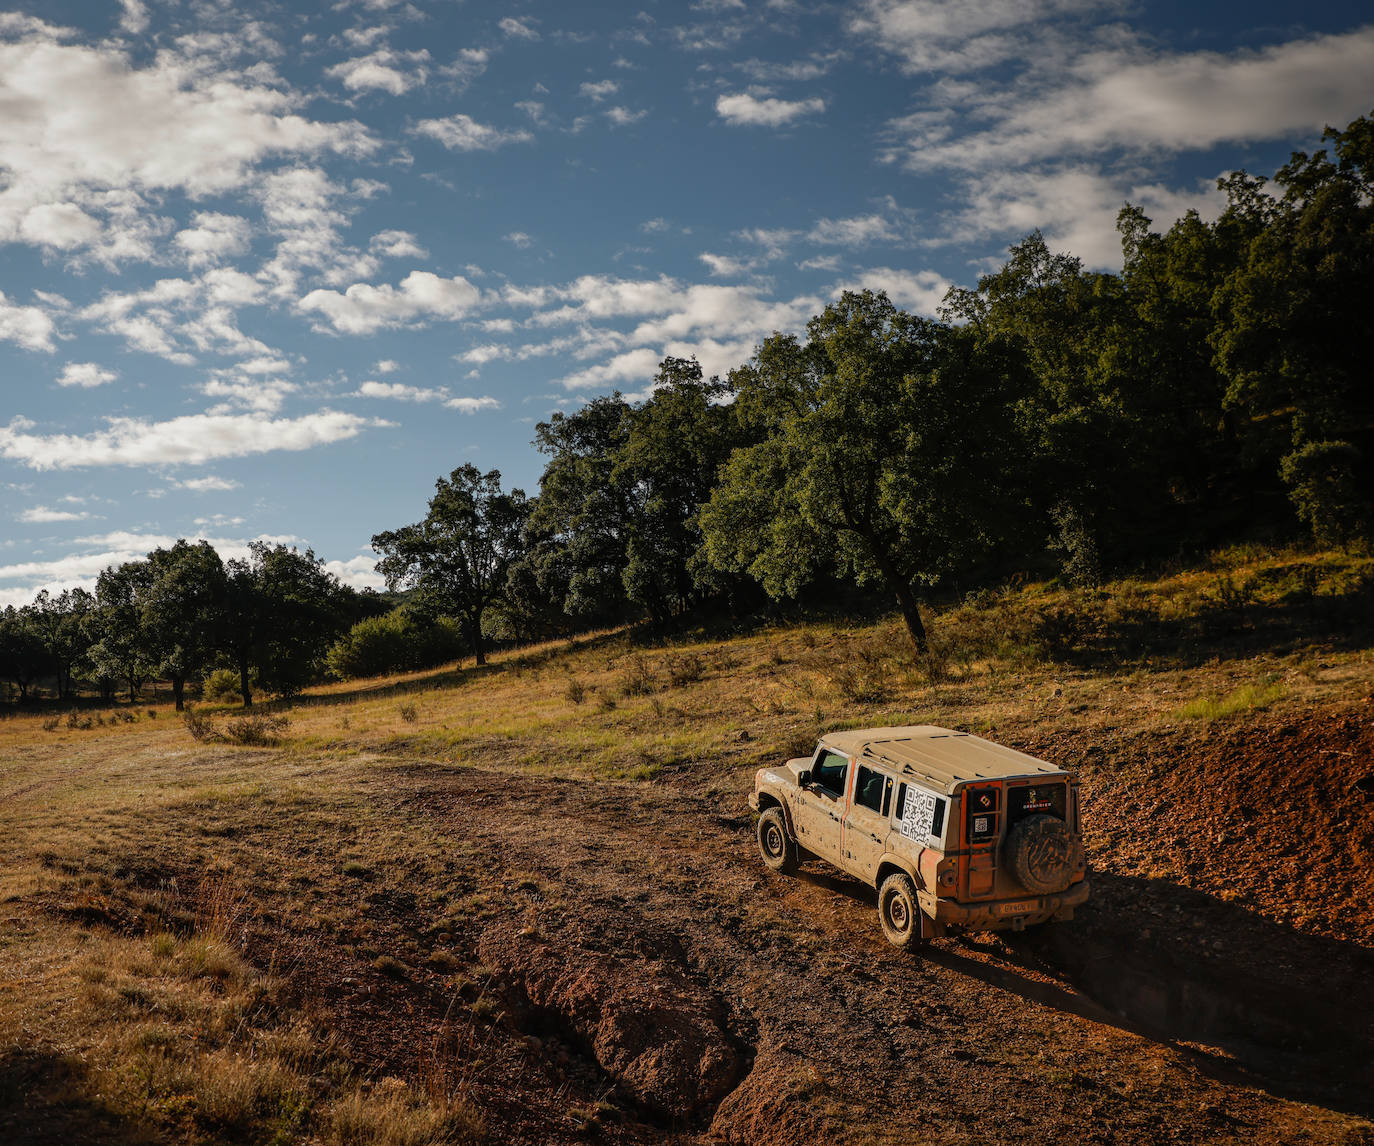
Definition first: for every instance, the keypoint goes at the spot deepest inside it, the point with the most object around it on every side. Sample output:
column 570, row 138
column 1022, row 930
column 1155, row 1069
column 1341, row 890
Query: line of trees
column 179, row 613
column 1052, row 417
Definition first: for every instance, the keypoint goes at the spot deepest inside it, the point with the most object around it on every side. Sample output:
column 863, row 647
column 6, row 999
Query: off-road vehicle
column 953, row 830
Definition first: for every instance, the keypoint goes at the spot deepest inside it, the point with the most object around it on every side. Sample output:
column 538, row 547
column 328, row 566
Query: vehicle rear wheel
column 899, row 912
column 778, row 849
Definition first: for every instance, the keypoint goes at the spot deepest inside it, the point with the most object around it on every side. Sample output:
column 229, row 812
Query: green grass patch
column 1246, row 698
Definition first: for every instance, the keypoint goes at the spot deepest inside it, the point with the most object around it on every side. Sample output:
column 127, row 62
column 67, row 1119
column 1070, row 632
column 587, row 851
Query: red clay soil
column 635, row 953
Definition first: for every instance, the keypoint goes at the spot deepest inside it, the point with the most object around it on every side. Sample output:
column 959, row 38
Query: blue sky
column 268, row 270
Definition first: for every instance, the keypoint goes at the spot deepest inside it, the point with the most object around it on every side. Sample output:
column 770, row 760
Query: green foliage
column 891, row 450
column 1323, row 484
column 400, row 641
column 220, row 686
column 459, row 557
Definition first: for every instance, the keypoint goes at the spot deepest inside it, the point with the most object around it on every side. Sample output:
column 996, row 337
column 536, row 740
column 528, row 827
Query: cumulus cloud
column 29, row 326
column 397, row 245
column 385, row 70
column 918, row 291
column 745, row 110
column 208, row 484
column 421, row 295
column 42, row 515
column 400, row 392
column 76, row 155
column 1187, row 101
column 623, row 116
column 360, row 572
column 962, row 35
column 473, row 405
column 85, row 375
column 190, row 440
column 600, row 90
column 212, row 236
column 463, row 133
column 518, row 29
column 853, row 232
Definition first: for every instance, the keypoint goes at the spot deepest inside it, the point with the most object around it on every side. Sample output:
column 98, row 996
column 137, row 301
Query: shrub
column 576, row 691
column 409, row 713
column 686, row 669
column 1323, row 486
column 396, row 642
column 638, row 679
column 258, row 728
column 221, row 686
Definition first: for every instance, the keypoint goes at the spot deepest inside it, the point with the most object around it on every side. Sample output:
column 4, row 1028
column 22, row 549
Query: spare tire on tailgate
column 1040, row 853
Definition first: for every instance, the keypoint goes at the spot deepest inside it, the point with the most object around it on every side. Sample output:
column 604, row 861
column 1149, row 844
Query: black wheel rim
column 897, row 914
column 772, row 841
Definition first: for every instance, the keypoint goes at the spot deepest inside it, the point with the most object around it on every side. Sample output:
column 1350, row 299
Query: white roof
column 939, row 757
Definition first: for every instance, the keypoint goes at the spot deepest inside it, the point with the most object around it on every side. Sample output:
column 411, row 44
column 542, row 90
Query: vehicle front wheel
column 899, row 912
column 778, row 849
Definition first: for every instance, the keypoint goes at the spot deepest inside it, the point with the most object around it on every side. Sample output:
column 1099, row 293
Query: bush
column 1322, row 484
column 221, row 687
column 396, row 642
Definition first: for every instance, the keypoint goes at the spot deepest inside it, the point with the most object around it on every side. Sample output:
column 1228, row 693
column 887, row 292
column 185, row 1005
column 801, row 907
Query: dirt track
column 627, row 945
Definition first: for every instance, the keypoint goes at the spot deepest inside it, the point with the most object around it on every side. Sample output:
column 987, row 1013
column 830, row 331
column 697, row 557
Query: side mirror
column 804, row 778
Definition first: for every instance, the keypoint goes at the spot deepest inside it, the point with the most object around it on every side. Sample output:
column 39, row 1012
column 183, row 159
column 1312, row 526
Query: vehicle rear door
column 866, row 822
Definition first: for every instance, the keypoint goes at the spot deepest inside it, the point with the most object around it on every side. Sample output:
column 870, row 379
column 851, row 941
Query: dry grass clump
column 260, row 729
column 392, row 1114
column 639, row 678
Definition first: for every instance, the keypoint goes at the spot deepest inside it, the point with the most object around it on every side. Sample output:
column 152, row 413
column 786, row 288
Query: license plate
column 1017, row 908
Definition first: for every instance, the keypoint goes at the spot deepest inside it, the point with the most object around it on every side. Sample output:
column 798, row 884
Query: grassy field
column 188, row 920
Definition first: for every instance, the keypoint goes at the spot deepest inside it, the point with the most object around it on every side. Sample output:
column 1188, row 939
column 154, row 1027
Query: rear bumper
column 1011, row 914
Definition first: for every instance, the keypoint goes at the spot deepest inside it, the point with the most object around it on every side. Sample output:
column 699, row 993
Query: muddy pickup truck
column 952, row 830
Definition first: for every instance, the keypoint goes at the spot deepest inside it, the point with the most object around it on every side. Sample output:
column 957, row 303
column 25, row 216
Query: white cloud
column 962, row 35
column 1075, row 207
column 85, row 375
column 472, row 405
column 29, row 326
column 400, row 392
column 463, row 133
column 75, row 143
column 265, row 397
column 725, row 266
column 397, row 245
column 212, row 237
column 918, row 291
column 745, row 110
column 363, row 308
column 623, row 116
column 600, row 90
column 42, row 515
column 517, row 29
column 632, row 366
column 383, row 70
column 1151, row 103
column 518, row 238
column 191, row 439
column 134, row 19
column 208, row 484
column 467, row 65
column 387, row 366
column 360, row 572
column 854, row 232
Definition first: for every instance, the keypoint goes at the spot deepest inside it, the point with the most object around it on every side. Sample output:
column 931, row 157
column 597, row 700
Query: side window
column 868, row 789
column 829, row 772
column 919, row 814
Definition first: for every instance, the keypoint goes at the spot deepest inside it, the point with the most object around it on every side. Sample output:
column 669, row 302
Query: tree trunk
column 244, row 690
column 911, row 614
column 901, row 589
column 178, row 688
column 475, row 623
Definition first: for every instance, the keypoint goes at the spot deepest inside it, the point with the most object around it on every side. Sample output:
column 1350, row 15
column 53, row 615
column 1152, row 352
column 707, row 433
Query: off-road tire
column 899, row 912
column 1041, row 854
column 778, row 849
